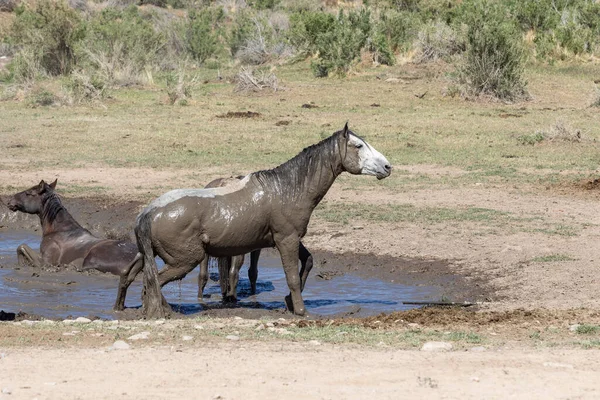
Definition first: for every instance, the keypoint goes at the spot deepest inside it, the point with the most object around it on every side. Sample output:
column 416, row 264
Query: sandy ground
column 500, row 263
column 297, row 371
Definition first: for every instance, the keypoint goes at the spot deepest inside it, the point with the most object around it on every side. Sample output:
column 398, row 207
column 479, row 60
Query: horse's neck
column 319, row 174
column 55, row 217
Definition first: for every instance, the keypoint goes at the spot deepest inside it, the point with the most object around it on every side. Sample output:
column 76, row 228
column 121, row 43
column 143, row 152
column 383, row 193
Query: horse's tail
column 152, row 299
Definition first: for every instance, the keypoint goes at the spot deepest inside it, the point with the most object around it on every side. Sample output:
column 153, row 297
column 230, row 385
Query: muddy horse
column 64, row 241
column 229, row 267
column 269, row 208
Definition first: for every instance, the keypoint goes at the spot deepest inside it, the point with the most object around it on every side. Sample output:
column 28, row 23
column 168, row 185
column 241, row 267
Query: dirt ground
column 527, row 313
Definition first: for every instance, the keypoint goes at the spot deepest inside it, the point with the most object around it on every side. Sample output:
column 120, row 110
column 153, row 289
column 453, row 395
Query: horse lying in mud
column 64, row 241
column 229, row 267
column 269, row 208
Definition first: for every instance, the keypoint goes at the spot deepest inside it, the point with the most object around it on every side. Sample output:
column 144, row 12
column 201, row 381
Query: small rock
column 28, row 322
column 82, row 320
column 574, row 327
column 98, row 334
column 436, row 346
column 187, row 338
column 314, row 342
column 270, row 325
column 557, row 365
column 68, row 321
column 120, row 345
column 48, row 322
column 6, row 391
column 159, row 322
column 199, row 327
column 139, row 336
column 114, row 322
column 260, row 327
column 232, row 337
column 237, row 318
column 68, row 334
column 2, row 355
column 218, row 397
column 413, row 325
column 475, row 378
column 97, row 322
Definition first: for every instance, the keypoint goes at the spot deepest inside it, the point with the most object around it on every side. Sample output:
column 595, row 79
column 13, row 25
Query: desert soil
column 496, row 270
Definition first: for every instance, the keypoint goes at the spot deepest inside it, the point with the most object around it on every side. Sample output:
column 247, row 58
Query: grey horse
column 269, row 208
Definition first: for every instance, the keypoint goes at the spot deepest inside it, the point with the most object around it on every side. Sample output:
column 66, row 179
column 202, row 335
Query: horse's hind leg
column 179, row 270
column 125, row 281
column 306, row 259
column 234, row 277
column 224, row 264
column 202, row 277
column 26, row 256
column 253, row 270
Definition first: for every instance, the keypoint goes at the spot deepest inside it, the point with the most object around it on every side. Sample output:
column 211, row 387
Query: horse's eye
column 358, row 146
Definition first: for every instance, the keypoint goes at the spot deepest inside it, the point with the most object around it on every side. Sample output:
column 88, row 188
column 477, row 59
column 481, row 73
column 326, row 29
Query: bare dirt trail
column 250, row 370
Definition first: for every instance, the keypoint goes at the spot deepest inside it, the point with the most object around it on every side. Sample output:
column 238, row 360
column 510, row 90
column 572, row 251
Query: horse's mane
column 290, row 178
column 52, row 206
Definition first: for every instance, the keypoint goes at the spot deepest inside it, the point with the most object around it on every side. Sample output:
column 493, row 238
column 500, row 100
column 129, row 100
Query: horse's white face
column 362, row 158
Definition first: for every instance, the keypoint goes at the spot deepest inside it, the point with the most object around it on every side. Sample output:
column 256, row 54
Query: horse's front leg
column 288, row 249
column 26, row 256
column 306, row 259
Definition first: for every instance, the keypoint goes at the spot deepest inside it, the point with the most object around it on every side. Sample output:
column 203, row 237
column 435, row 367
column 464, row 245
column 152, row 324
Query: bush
column 202, row 37
column 436, row 40
column 339, row 47
column 399, row 27
column 494, row 59
column 121, row 44
column 306, row 27
column 51, row 31
column 82, row 87
column 381, row 49
column 180, row 86
column 25, row 67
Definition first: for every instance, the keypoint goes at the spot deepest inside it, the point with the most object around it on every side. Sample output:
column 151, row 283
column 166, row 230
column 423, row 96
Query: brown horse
column 64, row 241
column 268, row 208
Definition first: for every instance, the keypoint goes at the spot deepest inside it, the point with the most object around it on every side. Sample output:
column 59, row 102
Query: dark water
column 62, row 294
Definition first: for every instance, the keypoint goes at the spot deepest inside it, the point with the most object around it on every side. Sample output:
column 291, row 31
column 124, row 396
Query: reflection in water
column 74, row 294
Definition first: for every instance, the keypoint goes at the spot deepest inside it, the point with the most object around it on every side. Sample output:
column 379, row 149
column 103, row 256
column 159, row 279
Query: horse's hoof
column 229, row 299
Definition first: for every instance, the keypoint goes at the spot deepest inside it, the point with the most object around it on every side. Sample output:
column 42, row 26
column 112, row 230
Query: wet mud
column 340, row 285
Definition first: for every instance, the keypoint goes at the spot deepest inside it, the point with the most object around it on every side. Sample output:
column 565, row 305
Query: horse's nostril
column 387, row 167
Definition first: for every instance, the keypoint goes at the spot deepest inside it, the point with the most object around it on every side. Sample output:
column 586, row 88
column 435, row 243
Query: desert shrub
column 263, row 4
column 264, row 42
column 51, row 30
column 84, row 87
column 539, row 15
column 241, row 30
column 339, row 47
column 437, row 40
column 381, row 48
column 250, row 79
column 40, row 97
column 399, row 27
column 179, row 86
column 202, row 36
column 121, row 44
column 306, row 29
column 494, row 58
column 25, row 67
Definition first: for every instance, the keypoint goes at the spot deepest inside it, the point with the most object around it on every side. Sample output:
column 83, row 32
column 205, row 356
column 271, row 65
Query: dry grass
column 138, row 130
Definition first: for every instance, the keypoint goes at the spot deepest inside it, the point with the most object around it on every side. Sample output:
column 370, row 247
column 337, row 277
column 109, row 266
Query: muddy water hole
column 340, row 285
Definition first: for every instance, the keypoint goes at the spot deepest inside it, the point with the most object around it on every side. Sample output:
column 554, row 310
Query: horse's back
column 111, row 256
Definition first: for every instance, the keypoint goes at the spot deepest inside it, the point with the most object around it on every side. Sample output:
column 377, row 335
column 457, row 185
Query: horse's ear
column 345, row 130
column 53, row 184
column 41, row 186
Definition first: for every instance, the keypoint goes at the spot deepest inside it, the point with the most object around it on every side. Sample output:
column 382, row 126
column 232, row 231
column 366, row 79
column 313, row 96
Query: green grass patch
column 553, row 258
column 585, row 329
